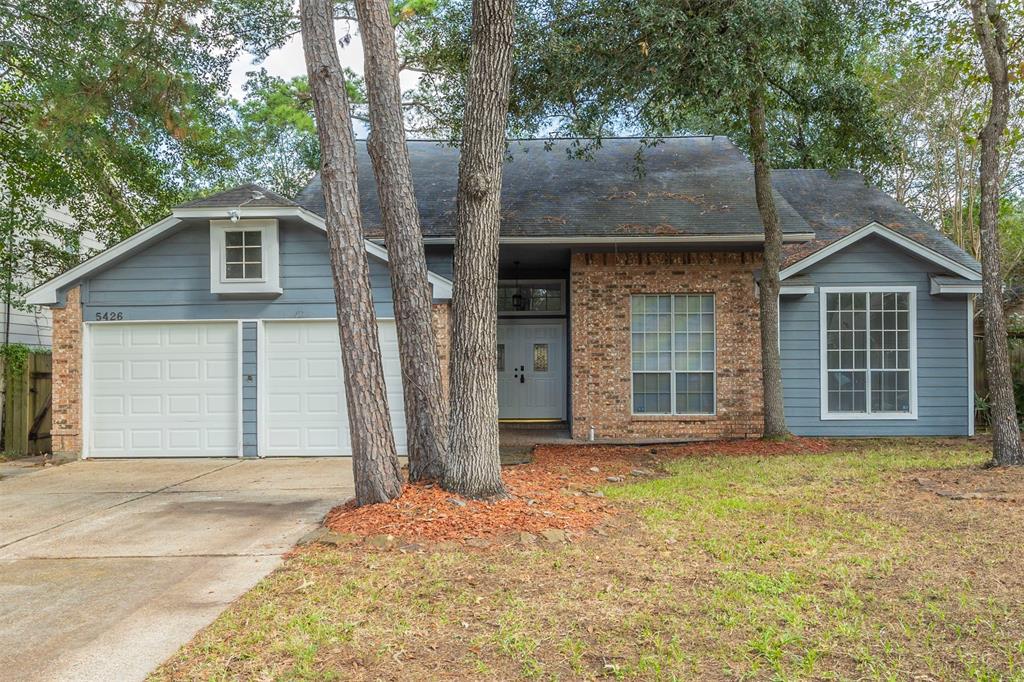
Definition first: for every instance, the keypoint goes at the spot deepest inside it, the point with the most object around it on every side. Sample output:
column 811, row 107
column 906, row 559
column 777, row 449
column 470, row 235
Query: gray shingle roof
column 241, row 195
column 836, row 205
column 689, row 186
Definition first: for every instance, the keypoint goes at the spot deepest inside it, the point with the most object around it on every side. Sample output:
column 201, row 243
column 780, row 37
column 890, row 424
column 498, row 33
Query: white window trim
column 823, row 354
column 673, row 372
column 270, row 283
column 534, row 313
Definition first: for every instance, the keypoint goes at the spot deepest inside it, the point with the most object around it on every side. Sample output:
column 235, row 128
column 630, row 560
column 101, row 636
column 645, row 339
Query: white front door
column 162, row 390
column 304, row 410
column 531, row 370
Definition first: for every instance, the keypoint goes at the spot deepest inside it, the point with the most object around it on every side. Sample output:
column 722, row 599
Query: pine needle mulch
column 559, row 490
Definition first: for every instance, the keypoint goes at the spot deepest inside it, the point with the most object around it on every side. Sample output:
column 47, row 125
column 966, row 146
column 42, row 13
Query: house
column 32, row 326
column 627, row 307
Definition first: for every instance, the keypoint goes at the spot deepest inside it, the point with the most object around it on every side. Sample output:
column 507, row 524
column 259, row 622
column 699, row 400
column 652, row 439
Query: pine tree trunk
column 425, row 413
column 374, row 460
column 771, row 363
column 474, row 466
column 990, row 28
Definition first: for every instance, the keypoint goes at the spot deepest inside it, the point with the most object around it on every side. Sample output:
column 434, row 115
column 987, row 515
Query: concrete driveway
column 107, row 567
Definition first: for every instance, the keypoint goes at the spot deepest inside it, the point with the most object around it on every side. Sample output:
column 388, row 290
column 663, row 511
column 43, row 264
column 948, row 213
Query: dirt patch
column 558, row 490
column 1002, row 484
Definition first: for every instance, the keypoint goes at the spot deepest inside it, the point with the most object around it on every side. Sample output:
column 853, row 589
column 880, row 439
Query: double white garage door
column 175, row 389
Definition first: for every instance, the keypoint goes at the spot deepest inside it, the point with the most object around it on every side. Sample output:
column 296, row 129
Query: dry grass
column 832, row 566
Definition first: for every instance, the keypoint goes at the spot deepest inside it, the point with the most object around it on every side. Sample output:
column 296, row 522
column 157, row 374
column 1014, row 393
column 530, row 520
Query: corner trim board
column 970, row 365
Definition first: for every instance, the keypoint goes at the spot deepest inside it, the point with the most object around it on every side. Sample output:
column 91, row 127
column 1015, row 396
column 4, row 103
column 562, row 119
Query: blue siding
column 441, row 260
column 170, row 280
column 943, row 395
column 250, row 381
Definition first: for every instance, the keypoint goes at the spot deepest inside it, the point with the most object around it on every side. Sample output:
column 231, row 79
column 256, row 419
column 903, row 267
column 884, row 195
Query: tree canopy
column 110, row 111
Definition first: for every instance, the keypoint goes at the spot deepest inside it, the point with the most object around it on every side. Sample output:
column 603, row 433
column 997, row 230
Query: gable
column 891, row 241
column 170, row 280
column 51, row 292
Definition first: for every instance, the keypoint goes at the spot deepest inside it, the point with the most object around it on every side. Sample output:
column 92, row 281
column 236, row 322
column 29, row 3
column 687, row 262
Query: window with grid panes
column 869, row 356
column 673, row 354
column 243, row 254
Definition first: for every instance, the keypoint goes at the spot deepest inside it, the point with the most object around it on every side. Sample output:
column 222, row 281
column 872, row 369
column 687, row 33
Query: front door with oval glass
column 531, row 370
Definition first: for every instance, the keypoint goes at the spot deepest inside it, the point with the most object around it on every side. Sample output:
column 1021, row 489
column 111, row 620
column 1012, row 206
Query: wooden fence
column 27, row 413
column 1016, row 363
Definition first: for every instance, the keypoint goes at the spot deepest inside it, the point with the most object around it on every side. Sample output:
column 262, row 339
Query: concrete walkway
column 107, row 567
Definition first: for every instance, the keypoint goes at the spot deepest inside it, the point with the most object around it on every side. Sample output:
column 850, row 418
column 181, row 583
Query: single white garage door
column 163, row 390
column 304, row 391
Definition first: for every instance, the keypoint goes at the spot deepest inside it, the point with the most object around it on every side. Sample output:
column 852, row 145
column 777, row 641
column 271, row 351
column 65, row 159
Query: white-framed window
column 673, row 354
column 868, row 352
column 532, row 297
column 244, row 257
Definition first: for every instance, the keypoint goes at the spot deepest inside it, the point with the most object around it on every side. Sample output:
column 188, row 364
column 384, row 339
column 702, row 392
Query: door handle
column 522, row 378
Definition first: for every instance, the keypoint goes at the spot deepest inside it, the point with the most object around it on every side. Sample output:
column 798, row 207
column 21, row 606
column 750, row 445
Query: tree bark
column 474, row 466
column 425, row 412
column 374, row 460
column 771, row 363
column 990, row 27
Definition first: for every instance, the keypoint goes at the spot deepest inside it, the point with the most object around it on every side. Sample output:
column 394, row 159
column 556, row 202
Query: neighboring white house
column 33, row 327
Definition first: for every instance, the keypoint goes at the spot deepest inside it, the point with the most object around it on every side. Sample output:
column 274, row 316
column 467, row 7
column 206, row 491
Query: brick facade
column 67, row 377
column 442, row 323
column 601, row 285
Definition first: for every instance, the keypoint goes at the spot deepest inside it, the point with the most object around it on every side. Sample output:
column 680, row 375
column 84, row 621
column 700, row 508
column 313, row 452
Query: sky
column 288, row 61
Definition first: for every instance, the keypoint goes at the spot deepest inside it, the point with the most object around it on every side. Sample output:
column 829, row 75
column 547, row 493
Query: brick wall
column 601, row 287
column 442, row 323
column 67, row 377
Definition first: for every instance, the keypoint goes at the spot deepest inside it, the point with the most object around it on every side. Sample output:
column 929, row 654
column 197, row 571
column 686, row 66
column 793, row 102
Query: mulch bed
column 557, row 490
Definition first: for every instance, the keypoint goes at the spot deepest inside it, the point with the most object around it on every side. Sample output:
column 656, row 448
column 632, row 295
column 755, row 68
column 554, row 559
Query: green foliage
column 593, row 68
column 272, row 134
column 928, row 78
column 14, row 357
column 110, row 110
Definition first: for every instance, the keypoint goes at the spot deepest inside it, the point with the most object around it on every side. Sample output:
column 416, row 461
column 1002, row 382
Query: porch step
column 532, row 426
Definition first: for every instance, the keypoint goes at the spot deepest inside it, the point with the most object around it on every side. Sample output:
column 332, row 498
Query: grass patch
column 833, row 566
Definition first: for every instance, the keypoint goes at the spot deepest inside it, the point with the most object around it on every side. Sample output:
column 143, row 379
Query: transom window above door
column 531, row 297
column 673, row 354
column 869, row 353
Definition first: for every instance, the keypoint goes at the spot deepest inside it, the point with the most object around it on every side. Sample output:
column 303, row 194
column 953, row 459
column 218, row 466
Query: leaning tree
column 374, row 460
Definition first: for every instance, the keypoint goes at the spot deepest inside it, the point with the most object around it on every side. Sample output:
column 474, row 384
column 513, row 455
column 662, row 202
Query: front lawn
column 882, row 560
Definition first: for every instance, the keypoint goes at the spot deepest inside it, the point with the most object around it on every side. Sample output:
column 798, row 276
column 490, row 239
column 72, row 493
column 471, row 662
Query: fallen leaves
column 556, row 492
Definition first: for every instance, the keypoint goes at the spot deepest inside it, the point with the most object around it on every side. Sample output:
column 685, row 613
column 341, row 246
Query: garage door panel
column 323, row 368
column 306, row 412
column 109, row 405
column 141, row 370
column 144, row 405
column 163, row 390
column 145, row 335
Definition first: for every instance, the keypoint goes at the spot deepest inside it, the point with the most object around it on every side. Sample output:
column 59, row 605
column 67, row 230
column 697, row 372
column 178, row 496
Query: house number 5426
column 110, row 316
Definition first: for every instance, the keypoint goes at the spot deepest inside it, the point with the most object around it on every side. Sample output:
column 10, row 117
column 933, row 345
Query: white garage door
column 163, row 390
column 304, row 392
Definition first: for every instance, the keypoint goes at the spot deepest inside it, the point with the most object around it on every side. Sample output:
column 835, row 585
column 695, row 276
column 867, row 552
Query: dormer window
column 244, row 257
